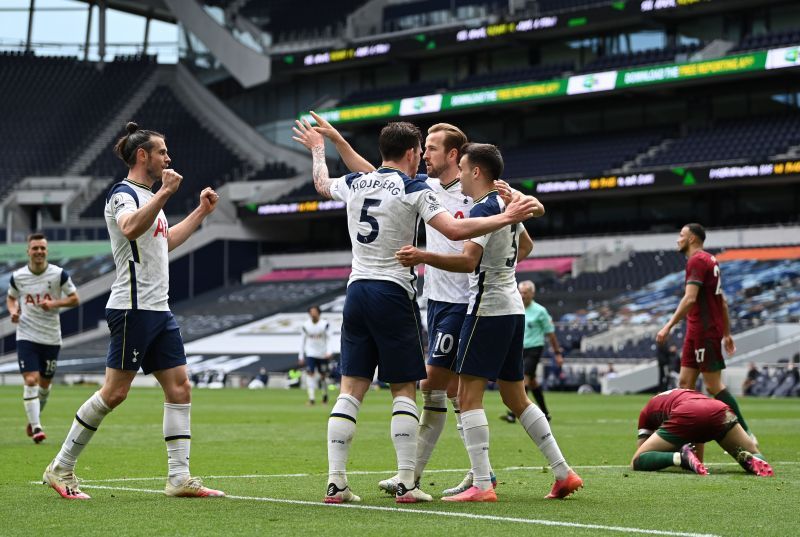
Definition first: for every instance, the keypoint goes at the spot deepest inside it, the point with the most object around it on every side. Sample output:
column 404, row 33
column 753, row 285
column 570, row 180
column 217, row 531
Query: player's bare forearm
column 525, row 246
column 180, row 232
column 449, row 262
column 726, row 320
column 322, row 181
column 133, row 225
column 684, row 306
column 554, row 343
column 70, row 301
column 351, row 159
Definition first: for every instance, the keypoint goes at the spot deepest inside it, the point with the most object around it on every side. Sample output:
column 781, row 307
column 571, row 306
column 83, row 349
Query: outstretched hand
column 306, row 135
column 521, row 207
column 324, row 127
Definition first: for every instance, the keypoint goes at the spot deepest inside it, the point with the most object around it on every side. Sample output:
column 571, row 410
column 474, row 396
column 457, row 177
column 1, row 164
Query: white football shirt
column 36, row 324
column 441, row 285
column 493, row 284
column 315, row 339
column 383, row 212
column 142, row 280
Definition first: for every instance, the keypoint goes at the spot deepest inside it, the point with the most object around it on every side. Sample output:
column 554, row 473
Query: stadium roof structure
column 154, row 9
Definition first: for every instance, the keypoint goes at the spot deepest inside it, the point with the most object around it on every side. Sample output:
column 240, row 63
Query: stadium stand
column 279, row 17
column 769, row 39
column 577, row 154
column 539, row 72
column 393, row 92
column 642, row 57
column 730, row 140
column 556, row 6
column 52, row 106
column 238, row 305
column 196, row 153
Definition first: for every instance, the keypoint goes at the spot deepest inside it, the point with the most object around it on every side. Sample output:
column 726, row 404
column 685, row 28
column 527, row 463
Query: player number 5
column 367, row 219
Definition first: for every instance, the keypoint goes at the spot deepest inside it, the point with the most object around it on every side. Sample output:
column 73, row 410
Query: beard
column 434, row 171
column 153, row 172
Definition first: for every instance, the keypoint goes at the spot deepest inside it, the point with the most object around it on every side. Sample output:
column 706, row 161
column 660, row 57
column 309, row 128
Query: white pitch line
column 388, row 472
column 472, row 516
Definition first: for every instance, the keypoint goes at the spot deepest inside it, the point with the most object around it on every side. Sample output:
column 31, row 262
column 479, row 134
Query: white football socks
column 431, row 424
column 476, row 438
column 405, row 422
column 178, row 437
column 30, row 398
column 535, row 424
column 311, row 385
column 86, row 422
column 341, row 429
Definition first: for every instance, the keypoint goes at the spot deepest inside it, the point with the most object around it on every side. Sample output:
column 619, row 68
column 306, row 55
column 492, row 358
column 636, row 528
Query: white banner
column 426, row 104
column 593, row 82
column 783, row 57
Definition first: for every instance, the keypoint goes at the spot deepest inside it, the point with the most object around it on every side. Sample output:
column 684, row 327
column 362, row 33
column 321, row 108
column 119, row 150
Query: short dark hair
column 126, row 147
column 314, row 307
column 697, row 230
column 398, row 137
column 486, row 157
column 36, row 237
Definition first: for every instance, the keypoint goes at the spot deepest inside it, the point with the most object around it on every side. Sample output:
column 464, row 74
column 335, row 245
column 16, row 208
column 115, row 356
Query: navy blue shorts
column 445, row 320
column 142, row 338
column 322, row 365
column 381, row 329
column 37, row 357
column 491, row 347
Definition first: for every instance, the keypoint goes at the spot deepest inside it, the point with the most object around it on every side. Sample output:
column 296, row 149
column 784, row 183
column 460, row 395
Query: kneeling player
column 681, row 418
column 490, row 345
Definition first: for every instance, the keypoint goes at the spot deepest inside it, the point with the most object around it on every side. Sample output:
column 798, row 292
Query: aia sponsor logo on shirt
column 35, row 300
column 161, row 228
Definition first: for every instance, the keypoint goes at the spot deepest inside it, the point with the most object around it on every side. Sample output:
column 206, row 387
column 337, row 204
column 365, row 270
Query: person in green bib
column 538, row 324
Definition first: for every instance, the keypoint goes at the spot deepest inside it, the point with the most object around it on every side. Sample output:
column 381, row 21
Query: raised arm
column 466, row 261
column 351, row 159
column 313, row 141
column 134, row 224
column 184, row 229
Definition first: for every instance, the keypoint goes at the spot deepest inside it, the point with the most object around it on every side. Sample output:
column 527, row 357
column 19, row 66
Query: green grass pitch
column 267, row 451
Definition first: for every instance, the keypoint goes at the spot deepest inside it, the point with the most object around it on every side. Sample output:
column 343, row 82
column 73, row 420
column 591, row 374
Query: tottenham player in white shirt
column 381, row 326
column 490, row 346
column 36, row 293
column 316, row 339
column 144, row 333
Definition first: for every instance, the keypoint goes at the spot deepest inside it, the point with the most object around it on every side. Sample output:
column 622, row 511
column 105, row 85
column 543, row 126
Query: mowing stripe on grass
column 387, row 472
column 621, row 529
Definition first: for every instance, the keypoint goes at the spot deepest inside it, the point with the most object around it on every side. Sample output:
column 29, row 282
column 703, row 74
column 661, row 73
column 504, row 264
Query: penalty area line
column 471, row 516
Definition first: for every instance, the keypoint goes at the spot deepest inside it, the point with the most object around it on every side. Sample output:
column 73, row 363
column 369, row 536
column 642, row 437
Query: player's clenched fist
column 209, row 199
column 171, row 180
column 409, row 256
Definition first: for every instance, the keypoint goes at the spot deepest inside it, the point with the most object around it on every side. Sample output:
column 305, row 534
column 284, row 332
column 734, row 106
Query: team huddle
column 476, row 318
